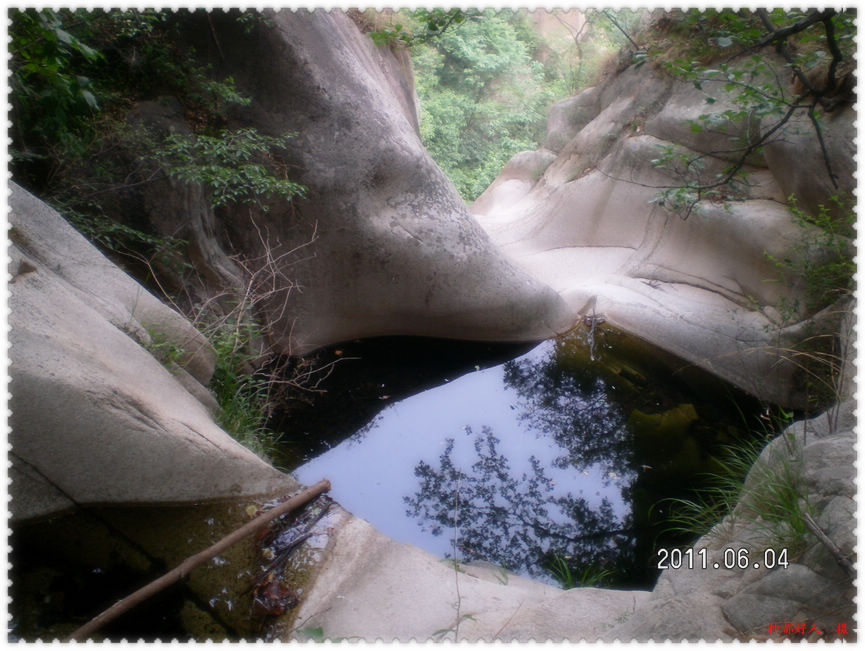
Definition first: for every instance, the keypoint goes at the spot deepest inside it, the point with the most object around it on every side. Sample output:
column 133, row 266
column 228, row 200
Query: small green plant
column 568, row 577
column 452, row 563
column 243, row 395
column 314, row 633
column 164, row 349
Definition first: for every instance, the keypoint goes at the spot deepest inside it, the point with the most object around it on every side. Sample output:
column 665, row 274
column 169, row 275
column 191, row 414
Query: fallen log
column 194, row 561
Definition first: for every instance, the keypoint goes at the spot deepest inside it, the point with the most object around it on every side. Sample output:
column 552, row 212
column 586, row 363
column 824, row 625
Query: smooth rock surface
column 373, row 588
column 701, row 285
column 568, row 116
column 96, row 419
column 799, row 166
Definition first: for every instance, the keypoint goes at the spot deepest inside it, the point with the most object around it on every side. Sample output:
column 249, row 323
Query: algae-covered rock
column 671, row 424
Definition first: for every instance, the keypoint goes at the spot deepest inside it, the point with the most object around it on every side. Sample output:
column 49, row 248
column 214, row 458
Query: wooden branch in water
column 830, row 545
column 194, row 561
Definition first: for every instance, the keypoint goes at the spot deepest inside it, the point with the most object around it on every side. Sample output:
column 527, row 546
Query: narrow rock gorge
column 381, row 244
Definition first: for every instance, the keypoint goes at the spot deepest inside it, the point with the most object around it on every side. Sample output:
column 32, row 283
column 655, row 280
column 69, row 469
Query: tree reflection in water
column 519, row 521
column 556, row 456
column 523, row 520
column 633, row 420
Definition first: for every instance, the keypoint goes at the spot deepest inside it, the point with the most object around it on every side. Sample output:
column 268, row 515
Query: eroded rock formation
column 579, row 215
column 382, row 244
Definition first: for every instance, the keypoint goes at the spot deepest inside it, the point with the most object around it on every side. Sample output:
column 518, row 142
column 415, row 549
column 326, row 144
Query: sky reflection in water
column 538, row 457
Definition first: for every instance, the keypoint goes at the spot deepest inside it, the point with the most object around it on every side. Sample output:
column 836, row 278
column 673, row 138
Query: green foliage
column 486, row 81
column 820, row 267
column 74, row 76
column 823, row 257
column 50, row 93
column 243, row 396
column 590, row 49
column 569, row 577
column 720, row 53
column 428, row 25
column 483, row 97
column 224, row 164
column 163, row 348
column 115, row 236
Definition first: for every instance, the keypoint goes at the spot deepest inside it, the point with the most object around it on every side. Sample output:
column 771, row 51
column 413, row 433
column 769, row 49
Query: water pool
column 554, row 464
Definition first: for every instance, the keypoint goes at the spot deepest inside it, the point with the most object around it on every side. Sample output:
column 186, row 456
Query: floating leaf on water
column 272, row 597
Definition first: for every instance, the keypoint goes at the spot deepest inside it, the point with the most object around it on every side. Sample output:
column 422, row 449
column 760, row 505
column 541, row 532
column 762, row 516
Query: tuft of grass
column 762, row 489
column 774, row 498
column 698, row 515
column 588, row 576
column 243, row 396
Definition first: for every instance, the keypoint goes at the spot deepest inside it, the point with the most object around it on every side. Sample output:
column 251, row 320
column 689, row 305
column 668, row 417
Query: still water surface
column 563, row 454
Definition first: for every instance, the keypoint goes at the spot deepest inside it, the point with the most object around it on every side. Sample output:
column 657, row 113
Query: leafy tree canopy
column 483, row 97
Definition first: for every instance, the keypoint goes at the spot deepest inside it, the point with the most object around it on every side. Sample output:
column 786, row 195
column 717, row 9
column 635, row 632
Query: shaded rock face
column 382, row 244
column 702, row 286
column 96, row 418
column 798, row 164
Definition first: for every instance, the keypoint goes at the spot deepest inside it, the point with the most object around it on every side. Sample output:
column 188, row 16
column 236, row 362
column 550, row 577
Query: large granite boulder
column 382, row 244
column 568, row 116
column 96, row 418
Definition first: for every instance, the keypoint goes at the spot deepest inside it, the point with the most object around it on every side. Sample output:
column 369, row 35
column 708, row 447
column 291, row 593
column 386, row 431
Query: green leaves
column 229, row 165
column 482, row 97
column 431, row 24
column 823, row 257
column 244, row 398
column 48, row 92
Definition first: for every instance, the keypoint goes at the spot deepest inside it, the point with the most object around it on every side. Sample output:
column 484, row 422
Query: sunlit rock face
column 382, row 244
column 703, row 284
